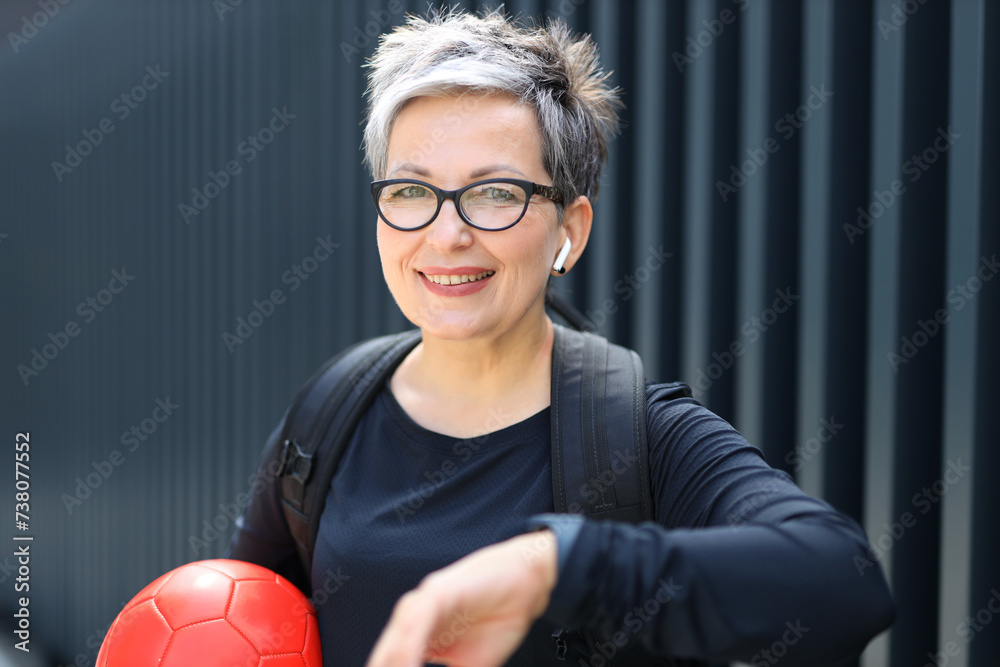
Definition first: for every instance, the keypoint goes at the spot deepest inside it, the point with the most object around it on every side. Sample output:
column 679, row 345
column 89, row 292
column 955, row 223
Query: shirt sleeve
column 262, row 535
column 739, row 565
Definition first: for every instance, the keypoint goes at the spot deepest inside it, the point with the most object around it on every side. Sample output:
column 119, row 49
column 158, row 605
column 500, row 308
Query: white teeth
column 457, row 280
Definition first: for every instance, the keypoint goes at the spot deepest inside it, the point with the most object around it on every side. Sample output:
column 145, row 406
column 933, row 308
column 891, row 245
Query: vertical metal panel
column 713, row 107
column 834, row 257
column 699, row 100
column 752, row 200
column 651, row 191
column 769, row 293
column 913, row 227
column 964, row 224
column 659, row 184
column 700, row 92
column 882, row 457
column 609, row 238
column 817, row 147
column 984, row 539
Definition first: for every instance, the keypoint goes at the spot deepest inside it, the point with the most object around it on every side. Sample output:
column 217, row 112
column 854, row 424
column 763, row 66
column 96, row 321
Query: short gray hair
column 546, row 67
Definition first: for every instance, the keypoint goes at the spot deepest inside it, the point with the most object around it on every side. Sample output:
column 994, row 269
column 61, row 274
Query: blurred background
column 800, row 220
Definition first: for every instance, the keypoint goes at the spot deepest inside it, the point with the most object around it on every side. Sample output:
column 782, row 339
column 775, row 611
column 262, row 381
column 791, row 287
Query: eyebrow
column 477, row 173
column 492, row 169
column 409, row 166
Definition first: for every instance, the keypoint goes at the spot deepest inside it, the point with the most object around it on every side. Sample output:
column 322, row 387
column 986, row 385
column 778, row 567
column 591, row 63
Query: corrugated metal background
column 822, row 174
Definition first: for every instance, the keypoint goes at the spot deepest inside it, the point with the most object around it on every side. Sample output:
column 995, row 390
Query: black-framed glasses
column 491, row 205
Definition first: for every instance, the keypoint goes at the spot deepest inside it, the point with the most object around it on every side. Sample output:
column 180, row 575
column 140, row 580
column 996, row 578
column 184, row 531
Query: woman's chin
column 456, row 325
column 453, row 330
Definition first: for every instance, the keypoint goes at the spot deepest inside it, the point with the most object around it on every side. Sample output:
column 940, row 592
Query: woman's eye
column 410, row 192
column 499, row 194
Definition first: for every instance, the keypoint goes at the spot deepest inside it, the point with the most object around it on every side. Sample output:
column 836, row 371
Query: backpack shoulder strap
column 600, row 463
column 339, row 393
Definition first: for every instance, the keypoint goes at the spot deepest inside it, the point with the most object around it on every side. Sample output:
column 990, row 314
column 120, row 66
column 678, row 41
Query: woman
column 486, row 140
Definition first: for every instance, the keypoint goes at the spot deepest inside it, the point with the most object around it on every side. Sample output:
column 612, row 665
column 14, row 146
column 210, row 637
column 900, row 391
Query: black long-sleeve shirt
column 740, row 564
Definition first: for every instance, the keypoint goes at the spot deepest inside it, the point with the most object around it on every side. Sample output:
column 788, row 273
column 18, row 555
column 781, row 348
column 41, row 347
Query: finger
column 404, row 639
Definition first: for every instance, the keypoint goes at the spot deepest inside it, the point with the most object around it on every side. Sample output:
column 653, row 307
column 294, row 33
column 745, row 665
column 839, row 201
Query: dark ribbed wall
column 774, row 302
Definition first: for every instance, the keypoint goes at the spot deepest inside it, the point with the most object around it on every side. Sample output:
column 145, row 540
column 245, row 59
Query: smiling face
column 451, row 142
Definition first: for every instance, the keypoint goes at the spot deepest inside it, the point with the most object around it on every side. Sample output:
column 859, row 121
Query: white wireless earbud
column 561, row 259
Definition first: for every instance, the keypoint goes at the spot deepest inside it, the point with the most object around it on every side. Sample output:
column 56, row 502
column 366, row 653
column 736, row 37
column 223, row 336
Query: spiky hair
column 547, row 68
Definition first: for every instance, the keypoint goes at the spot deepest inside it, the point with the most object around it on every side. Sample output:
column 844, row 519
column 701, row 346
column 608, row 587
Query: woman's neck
column 472, row 387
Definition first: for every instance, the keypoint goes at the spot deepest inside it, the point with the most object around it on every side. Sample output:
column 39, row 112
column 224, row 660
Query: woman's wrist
column 565, row 527
column 538, row 551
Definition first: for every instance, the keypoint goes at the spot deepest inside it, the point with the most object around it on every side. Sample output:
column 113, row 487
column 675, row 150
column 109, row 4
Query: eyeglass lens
column 487, row 205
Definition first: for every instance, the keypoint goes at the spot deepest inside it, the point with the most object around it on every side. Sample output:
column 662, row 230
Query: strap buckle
column 295, row 463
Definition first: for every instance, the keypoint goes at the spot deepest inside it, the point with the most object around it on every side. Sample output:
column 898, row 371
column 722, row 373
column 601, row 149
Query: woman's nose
column 448, row 230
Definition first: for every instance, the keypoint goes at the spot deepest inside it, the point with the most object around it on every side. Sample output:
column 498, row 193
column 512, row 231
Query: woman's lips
column 458, row 281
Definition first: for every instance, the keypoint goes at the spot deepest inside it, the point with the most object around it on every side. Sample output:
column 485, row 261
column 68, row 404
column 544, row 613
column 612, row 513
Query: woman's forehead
column 468, row 131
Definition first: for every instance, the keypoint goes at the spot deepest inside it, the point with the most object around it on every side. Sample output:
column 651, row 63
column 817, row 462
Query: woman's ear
column 577, row 219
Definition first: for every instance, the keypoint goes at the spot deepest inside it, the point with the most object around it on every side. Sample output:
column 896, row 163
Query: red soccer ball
column 215, row 613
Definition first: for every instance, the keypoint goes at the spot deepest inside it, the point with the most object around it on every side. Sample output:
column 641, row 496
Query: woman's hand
column 476, row 611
